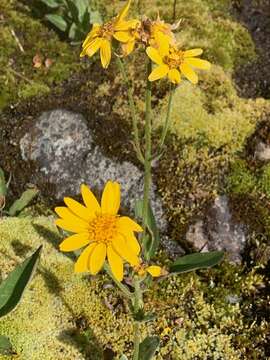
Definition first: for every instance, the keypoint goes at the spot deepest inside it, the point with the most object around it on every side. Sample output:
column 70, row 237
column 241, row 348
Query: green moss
column 216, row 119
column 21, row 79
column 264, row 181
column 64, row 315
column 241, row 180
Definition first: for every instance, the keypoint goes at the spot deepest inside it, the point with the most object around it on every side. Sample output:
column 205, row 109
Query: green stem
column 147, row 157
column 133, row 110
column 138, row 304
column 122, row 287
column 167, row 121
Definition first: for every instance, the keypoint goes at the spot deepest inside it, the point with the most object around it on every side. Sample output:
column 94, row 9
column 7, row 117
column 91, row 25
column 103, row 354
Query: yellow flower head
column 173, row 62
column 101, row 36
column 99, row 229
column 153, row 270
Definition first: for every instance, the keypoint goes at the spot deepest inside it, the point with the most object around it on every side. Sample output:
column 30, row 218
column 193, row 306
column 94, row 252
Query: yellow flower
column 153, row 270
column 173, row 62
column 101, row 36
column 98, row 227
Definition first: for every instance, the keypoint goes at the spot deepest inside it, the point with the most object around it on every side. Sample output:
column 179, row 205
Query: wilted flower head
column 99, row 229
column 146, row 32
column 173, row 62
column 154, row 270
column 101, row 36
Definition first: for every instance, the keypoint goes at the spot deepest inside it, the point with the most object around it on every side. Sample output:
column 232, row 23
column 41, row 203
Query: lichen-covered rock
column 70, row 316
column 218, row 231
column 62, row 146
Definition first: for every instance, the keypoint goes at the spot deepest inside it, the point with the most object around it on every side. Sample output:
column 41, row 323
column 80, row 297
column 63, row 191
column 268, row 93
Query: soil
column 253, row 79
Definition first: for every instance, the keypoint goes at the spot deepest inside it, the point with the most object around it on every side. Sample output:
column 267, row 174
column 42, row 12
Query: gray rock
column 62, row 146
column 262, row 151
column 218, row 231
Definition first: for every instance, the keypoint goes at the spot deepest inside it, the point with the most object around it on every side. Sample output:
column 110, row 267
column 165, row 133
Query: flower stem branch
column 133, row 110
column 148, row 149
column 122, row 287
column 167, row 122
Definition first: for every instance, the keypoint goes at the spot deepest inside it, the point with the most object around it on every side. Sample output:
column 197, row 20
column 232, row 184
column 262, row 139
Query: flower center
column 107, row 30
column 174, row 59
column 103, row 228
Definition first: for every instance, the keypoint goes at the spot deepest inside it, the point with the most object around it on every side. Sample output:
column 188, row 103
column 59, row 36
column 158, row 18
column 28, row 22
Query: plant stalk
column 138, row 304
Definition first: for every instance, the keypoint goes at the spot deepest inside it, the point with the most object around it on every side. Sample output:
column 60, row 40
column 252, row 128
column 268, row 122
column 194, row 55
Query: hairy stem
column 148, row 149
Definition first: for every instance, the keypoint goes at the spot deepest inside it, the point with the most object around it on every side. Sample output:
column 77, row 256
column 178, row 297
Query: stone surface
column 262, row 151
column 218, row 231
column 61, row 145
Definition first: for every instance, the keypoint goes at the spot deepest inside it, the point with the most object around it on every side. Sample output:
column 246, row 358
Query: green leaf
column 12, row 288
column 148, row 347
column 196, row 261
column 72, row 31
column 51, row 3
column 57, row 21
column 26, row 197
column 82, row 6
column 151, row 241
column 5, row 346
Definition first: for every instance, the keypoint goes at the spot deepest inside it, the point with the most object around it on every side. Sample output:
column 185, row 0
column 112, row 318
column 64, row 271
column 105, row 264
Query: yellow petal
column 82, row 264
column 128, row 47
column 122, row 36
column 74, row 242
column 105, row 53
column 154, row 55
column 132, row 242
column 78, row 209
column 198, row 63
column 92, row 47
column 97, row 258
column 154, row 270
column 69, row 217
column 110, row 201
column 126, row 225
column 163, row 43
column 174, row 76
column 159, row 72
column 116, row 263
column 120, row 246
column 189, row 73
column 91, row 34
column 126, row 25
column 69, row 226
column 193, row 52
column 90, row 200
column 124, row 11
